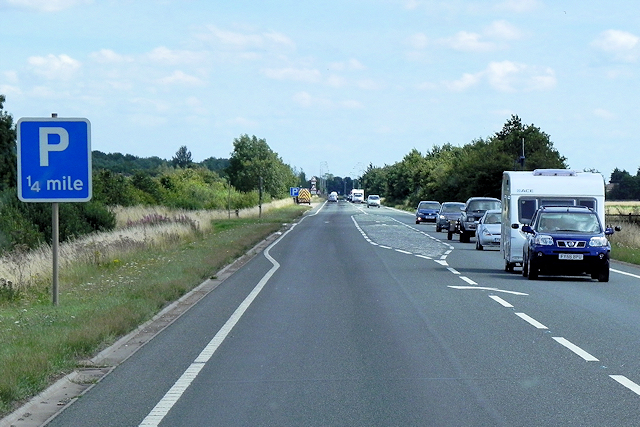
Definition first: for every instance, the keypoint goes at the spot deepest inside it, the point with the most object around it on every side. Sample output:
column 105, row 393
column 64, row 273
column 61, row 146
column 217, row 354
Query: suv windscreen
column 569, row 222
column 483, row 205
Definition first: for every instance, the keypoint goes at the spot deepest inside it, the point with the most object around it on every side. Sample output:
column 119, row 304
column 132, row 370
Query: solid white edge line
column 577, row 350
column 165, row 404
column 500, row 301
column 625, row 273
column 627, row 383
column 531, row 320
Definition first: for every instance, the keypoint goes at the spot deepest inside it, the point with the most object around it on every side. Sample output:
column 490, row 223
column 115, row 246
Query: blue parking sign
column 54, row 160
column 294, row 191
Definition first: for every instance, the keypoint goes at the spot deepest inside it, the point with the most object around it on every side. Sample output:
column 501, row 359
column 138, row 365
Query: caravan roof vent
column 554, row 172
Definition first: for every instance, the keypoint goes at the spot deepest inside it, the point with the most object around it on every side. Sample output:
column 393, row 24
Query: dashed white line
column 531, row 321
column 453, row 270
column 627, row 383
column 466, row 279
column 403, row 252
column 423, row 256
column 500, row 301
column 577, row 350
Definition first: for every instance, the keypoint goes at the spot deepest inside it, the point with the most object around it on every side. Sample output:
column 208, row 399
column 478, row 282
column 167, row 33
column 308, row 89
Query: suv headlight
column 598, row 242
column 543, row 240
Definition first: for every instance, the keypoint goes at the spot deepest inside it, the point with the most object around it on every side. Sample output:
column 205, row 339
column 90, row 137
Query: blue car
column 566, row 241
column 427, row 211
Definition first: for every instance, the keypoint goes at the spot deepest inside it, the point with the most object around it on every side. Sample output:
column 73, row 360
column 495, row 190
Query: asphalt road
column 359, row 317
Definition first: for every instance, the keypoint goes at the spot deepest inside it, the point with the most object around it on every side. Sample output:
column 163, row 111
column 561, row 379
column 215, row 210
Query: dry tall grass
column 137, row 227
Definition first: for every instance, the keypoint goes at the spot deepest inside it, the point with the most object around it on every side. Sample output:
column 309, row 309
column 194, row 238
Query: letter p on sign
column 46, row 147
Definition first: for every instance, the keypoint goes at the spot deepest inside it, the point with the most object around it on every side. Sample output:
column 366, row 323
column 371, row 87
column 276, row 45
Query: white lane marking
column 627, row 383
column 453, row 270
column 441, row 262
column 531, row 321
column 577, row 350
column 500, row 301
column 625, row 273
column 423, row 256
column 403, row 252
column 385, row 247
column 484, row 288
column 469, row 281
column 163, row 407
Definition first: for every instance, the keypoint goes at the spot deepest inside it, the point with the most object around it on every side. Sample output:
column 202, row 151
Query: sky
column 332, row 86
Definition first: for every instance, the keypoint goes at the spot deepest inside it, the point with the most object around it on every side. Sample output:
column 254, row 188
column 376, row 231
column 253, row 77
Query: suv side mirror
column 527, row 229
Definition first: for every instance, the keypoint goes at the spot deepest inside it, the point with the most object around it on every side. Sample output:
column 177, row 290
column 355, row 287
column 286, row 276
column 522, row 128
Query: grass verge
column 101, row 302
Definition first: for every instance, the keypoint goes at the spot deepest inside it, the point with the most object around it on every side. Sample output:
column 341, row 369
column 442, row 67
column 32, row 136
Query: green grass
column 99, row 303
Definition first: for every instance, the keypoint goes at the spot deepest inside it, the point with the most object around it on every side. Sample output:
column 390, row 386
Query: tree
column 182, row 158
column 251, row 160
column 8, row 161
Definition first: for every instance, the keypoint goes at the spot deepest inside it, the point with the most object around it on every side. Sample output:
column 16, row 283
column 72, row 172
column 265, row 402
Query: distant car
column 373, row 200
column 489, row 229
column 427, row 211
column 473, row 210
column 566, row 241
column 333, row 197
column 450, row 211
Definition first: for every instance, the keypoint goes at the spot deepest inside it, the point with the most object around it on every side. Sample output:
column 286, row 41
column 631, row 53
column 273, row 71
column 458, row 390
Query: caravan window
column 527, row 208
column 528, row 205
column 590, row 203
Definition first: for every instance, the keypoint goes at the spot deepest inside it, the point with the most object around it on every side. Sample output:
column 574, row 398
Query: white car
column 488, row 231
column 333, row 196
column 373, row 200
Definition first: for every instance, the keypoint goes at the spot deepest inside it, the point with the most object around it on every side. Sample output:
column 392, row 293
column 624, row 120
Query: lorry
column 523, row 192
column 357, row 196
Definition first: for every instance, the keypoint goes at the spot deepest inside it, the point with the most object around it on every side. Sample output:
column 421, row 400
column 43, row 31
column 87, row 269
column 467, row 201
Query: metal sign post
column 54, row 165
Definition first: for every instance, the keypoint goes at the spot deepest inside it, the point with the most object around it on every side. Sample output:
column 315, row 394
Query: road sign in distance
column 54, row 160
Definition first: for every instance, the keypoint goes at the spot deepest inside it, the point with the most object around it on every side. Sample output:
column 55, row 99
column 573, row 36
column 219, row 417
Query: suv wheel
column 532, row 269
column 603, row 275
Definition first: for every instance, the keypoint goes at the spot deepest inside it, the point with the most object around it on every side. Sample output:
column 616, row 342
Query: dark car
column 450, row 211
column 427, row 211
column 471, row 214
column 566, row 241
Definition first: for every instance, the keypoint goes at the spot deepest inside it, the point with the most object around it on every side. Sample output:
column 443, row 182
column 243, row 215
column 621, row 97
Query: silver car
column 488, row 231
column 373, row 200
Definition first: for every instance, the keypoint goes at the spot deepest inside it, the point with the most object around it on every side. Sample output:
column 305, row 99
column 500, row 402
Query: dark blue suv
column 566, row 241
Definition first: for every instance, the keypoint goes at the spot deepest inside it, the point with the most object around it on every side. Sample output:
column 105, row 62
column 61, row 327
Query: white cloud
column 179, row 77
column 174, row 57
column 465, row 82
column 469, row 42
column 350, row 65
column 502, row 30
column 603, row 114
column 622, row 45
column 418, row 41
column 106, row 56
column 301, row 75
column 505, row 76
column 244, row 40
column 44, row 5
column 61, row 67
column 518, row 6
column 10, row 90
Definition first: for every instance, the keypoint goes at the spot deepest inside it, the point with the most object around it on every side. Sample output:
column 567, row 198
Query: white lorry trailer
column 524, row 192
column 357, row 196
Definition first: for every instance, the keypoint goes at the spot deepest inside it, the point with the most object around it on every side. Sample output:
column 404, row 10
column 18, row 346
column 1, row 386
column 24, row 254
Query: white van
column 357, row 196
column 524, row 192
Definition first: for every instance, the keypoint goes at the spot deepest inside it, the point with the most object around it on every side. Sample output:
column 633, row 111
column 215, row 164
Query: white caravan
column 524, row 192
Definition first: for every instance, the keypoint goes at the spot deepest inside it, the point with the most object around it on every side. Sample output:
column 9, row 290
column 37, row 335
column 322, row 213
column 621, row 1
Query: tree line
column 252, row 174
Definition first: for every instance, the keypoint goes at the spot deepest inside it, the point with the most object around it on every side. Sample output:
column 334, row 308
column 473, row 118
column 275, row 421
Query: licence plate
column 571, row 257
